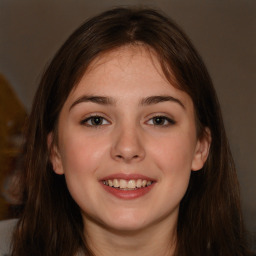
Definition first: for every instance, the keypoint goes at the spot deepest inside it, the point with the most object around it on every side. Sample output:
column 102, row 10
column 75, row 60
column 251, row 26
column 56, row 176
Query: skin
column 128, row 141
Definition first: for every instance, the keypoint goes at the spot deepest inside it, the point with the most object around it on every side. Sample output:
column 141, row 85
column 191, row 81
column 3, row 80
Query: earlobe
column 54, row 155
column 202, row 151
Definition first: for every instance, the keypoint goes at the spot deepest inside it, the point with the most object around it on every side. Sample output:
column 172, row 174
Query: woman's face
column 127, row 143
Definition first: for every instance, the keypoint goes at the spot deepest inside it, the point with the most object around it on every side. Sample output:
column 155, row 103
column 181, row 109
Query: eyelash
column 90, row 119
column 167, row 121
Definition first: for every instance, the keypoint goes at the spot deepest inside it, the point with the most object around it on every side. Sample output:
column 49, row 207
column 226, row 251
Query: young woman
column 126, row 152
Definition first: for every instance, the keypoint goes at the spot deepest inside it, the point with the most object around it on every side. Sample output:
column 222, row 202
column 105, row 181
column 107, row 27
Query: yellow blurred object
column 12, row 119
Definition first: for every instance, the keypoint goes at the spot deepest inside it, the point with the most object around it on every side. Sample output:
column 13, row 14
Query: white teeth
column 144, row 183
column 115, row 183
column 127, row 184
column 139, row 183
column 123, row 184
column 131, row 184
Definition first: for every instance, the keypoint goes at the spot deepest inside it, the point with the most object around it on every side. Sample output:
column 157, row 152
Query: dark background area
column 224, row 32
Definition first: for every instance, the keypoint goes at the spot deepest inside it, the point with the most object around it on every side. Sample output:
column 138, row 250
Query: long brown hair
column 50, row 224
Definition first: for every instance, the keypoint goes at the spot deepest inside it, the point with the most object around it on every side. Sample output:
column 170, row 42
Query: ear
column 201, row 151
column 55, row 157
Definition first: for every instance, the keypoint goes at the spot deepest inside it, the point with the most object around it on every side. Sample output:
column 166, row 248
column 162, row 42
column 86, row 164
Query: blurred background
column 223, row 31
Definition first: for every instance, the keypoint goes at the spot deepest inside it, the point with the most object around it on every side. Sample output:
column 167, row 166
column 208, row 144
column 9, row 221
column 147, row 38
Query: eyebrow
column 158, row 99
column 102, row 100
column 95, row 99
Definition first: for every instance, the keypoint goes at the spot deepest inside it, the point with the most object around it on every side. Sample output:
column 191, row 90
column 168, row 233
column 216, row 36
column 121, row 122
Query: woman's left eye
column 161, row 121
column 95, row 121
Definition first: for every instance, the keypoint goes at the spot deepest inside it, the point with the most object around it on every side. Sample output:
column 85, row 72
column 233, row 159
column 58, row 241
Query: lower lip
column 128, row 194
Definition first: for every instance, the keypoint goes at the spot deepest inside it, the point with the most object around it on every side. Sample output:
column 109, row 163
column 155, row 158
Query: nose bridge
column 127, row 143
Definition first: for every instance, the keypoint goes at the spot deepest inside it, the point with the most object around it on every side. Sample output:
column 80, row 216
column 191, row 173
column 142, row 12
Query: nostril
column 132, row 157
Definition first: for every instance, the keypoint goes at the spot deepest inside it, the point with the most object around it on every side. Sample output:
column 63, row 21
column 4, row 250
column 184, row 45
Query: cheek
column 82, row 153
column 81, row 157
column 174, row 160
column 173, row 157
column 174, row 154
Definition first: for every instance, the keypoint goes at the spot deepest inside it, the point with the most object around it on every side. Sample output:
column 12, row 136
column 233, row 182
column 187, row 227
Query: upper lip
column 125, row 176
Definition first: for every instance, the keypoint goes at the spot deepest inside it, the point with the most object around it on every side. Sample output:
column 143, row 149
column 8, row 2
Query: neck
column 154, row 240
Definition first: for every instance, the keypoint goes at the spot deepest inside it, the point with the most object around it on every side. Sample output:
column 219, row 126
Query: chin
column 128, row 227
column 126, row 222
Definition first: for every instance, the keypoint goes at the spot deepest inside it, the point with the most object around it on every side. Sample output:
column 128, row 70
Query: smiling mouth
column 122, row 184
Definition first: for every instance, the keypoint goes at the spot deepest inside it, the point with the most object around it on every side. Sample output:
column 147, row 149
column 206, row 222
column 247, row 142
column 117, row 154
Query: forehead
column 124, row 55
column 127, row 63
column 129, row 72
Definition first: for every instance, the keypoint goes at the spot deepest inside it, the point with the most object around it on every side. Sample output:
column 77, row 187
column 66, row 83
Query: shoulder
column 6, row 229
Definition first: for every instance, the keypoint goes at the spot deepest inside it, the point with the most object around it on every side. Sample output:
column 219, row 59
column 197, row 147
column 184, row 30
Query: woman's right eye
column 95, row 121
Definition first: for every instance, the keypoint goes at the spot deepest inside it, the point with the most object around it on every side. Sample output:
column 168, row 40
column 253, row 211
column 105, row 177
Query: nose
column 127, row 145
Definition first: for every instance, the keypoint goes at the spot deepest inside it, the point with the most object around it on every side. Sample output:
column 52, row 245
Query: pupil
column 97, row 120
column 158, row 120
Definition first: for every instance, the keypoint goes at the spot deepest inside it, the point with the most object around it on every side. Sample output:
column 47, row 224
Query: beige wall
column 223, row 31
